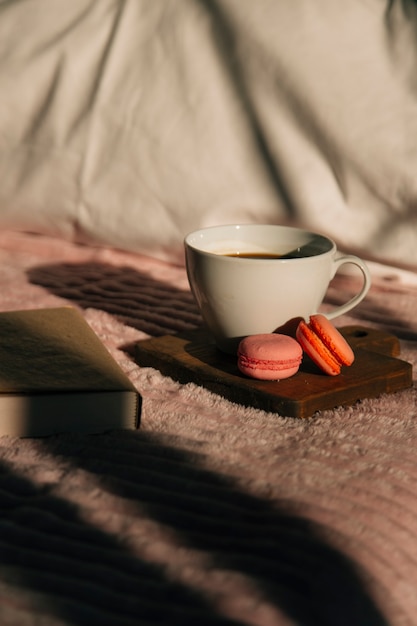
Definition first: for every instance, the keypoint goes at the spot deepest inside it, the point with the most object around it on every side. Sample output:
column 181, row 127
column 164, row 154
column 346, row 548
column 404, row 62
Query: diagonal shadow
column 54, row 564
column 132, row 297
column 86, row 576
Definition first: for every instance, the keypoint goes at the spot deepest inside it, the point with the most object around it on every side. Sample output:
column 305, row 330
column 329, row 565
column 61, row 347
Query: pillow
column 130, row 123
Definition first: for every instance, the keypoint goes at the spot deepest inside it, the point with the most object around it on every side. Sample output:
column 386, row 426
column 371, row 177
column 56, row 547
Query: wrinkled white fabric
column 130, row 123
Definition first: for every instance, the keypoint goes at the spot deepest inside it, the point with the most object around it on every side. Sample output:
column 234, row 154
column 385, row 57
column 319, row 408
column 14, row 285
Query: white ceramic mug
column 240, row 296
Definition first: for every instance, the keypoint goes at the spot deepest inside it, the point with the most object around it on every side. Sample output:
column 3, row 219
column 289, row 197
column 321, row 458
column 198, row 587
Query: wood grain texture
column 192, row 357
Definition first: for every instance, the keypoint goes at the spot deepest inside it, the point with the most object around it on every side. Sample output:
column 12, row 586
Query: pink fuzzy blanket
column 211, row 513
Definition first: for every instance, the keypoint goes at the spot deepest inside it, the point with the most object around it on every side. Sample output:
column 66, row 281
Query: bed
column 211, row 512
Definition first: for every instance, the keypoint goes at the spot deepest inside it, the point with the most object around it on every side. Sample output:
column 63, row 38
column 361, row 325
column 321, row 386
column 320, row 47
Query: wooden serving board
column 192, row 357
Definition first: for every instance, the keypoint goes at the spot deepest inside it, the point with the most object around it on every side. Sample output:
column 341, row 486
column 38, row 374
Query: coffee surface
column 256, row 255
column 302, row 252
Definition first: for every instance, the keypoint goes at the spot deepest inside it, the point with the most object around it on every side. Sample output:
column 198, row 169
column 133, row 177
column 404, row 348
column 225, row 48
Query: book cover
column 57, row 376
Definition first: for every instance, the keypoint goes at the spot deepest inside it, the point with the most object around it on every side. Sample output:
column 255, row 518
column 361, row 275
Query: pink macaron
column 324, row 344
column 269, row 356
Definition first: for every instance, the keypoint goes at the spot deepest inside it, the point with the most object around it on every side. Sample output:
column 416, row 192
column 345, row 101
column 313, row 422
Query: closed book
column 57, row 376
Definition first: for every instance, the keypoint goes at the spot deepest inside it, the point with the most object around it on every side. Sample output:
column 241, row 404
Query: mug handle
column 344, row 308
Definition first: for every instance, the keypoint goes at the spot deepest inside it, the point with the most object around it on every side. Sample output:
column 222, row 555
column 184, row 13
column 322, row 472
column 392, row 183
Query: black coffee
column 308, row 249
column 256, row 255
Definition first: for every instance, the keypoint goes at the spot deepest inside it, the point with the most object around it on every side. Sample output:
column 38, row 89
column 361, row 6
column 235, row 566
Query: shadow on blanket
column 136, row 299
column 70, row 559
column 158, row 308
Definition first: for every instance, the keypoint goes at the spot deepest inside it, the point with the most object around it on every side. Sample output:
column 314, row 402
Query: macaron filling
column 267, row 364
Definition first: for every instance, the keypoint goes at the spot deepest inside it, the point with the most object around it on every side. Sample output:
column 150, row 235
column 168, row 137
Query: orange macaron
column 324, row 344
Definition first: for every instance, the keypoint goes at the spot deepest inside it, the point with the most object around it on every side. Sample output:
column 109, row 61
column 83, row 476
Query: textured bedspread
column 211, row 513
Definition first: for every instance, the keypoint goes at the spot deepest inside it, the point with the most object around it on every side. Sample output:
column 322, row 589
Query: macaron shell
column 323, row 343
column 317, row 351
column 332, row 339
column 269, row 356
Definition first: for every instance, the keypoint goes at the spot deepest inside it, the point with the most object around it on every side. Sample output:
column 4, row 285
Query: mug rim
column 212, row 254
